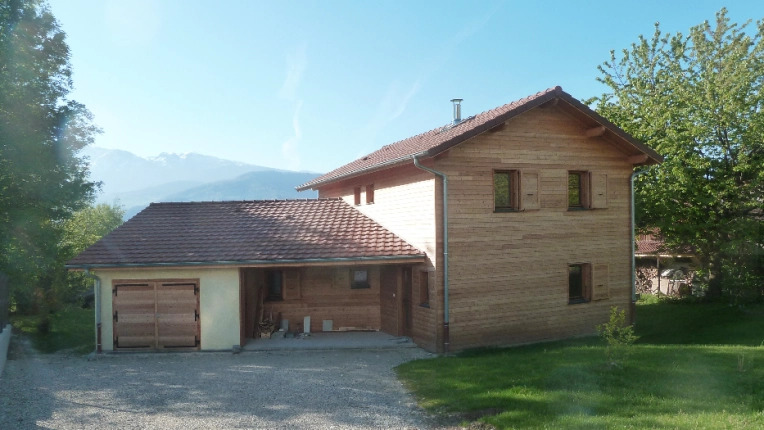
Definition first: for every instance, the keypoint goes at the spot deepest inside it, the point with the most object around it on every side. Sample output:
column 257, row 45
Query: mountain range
column 136, row 181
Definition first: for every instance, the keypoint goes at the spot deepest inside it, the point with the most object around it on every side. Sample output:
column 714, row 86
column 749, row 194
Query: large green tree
column 42, row 179
column 697, row 99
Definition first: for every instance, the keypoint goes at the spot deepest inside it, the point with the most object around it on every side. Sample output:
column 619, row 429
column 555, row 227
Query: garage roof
column 245, row 232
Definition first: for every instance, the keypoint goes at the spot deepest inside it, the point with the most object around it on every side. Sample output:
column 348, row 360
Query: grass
column 694, row 366
column 71, row 328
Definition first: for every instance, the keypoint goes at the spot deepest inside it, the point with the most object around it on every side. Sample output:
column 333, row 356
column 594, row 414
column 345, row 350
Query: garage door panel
column 135, row 341
column 188, row 341
column 156, row 314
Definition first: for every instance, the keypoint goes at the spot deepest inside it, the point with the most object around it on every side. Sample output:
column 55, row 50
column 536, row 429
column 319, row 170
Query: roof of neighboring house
column 652, row 244
column 253, row 232
column 440, row 139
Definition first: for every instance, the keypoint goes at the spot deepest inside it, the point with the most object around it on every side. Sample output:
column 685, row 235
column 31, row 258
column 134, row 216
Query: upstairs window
column 370, row 194
column 578, row 190
column 506, row 186
column 357, row 196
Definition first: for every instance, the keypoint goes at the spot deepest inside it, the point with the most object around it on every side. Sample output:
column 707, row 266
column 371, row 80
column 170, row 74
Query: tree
column 697, row 100
column 42, row 180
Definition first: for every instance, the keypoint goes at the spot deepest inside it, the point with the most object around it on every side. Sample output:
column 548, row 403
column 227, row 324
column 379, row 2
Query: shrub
column 619, row 337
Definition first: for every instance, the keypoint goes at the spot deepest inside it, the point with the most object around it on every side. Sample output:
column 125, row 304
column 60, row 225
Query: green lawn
column 72, row 328
column 695, row 366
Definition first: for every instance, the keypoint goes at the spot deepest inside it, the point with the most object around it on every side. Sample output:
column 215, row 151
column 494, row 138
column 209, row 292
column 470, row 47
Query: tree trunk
column 715, row 278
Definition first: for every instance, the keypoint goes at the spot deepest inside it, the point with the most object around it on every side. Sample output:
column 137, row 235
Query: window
column 424, row 289
column 578, row 283
column 370, row 194
column 578, row 190
column 274, row 281
column 505, row 191
column 357, row 196
column 360, row 279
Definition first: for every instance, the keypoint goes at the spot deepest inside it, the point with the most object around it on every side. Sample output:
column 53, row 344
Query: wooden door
column 407, row 303
column 133, row 312
column 156, row 314
column 176, row 315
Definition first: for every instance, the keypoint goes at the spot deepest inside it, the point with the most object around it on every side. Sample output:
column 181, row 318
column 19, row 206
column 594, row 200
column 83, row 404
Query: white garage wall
column 218, row 301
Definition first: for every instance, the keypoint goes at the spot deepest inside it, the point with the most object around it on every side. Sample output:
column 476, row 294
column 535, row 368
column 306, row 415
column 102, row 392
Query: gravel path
column 295, row 389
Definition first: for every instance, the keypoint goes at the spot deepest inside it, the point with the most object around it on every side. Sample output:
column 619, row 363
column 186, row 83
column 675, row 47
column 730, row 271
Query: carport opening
column 283, row 304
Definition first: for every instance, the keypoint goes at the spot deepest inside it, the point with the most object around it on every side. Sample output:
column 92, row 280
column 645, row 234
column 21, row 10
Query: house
column 507, row 227
column 661, row 269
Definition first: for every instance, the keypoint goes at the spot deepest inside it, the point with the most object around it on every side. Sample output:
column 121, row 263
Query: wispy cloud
column 392, row 106
column 296, row 60
column 396, row 99
column 289, row 149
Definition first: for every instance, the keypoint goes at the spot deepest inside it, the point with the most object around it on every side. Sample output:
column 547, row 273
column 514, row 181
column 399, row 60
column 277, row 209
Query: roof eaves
column 657, row 158
column 246, row 262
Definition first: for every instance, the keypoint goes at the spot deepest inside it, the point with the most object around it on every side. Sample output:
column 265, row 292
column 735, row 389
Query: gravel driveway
column 294, row 389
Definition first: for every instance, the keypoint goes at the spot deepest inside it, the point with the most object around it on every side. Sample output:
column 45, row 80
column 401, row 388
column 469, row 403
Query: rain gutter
column 633, row 246
column 446, row 335
column 97, row 303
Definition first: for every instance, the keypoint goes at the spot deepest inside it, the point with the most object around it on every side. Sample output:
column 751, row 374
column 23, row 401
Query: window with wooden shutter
column 505, row 191
column 357, row 196
column 579, row 283
column 600, row 284
column 599, row 190
column 370, row 194
column 579, row 190
column 529, row 196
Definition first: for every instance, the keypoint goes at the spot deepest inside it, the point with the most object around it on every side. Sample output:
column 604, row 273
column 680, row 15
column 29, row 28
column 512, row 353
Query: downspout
column 632, row 243
column 97, row 303
column 446, row 336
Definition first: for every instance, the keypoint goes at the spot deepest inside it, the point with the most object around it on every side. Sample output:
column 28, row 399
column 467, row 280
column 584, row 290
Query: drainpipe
column 633, row 258
column 446, row 336
column 97, row 303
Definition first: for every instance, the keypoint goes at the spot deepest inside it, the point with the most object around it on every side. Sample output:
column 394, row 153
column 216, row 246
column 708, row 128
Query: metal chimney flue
column 457, row 110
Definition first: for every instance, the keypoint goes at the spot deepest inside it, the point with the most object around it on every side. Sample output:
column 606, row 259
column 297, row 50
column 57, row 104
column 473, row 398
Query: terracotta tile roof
column 239, row 231
column 652, row 243
column 440, row 139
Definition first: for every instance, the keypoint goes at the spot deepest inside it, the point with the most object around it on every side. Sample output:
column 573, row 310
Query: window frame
column 269, row 276
column 513, row 176
column 370, row 194
column 424, row 288
column 359, row 285
column 585, row 270
column 584, row 190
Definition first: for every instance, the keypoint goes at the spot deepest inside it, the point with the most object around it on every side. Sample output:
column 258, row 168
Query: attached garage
column 156, row 314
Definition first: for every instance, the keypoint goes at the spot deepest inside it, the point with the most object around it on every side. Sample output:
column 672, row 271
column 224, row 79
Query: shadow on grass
column 71, row 328
column 566, row 384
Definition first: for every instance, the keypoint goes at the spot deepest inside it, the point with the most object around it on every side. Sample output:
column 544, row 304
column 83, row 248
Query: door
column 406, row 303
column 156, row 314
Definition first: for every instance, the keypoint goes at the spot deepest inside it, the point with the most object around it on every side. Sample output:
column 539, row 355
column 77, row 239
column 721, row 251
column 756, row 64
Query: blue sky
column 312, row 85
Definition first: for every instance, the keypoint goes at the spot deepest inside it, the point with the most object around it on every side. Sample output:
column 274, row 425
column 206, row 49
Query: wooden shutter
column 292, row 284
column 529, row 194
column 599, row 191
column 600, row 284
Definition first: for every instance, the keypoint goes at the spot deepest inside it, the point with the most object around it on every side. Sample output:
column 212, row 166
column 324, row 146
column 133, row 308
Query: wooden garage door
column 156, row 314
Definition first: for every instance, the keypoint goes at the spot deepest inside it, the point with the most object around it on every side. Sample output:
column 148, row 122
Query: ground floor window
column 578, row 281
column 274, row 281
column 360, row 279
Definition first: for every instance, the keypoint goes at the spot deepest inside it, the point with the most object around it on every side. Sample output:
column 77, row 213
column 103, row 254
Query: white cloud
column 296, row 60
column 289, row 149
